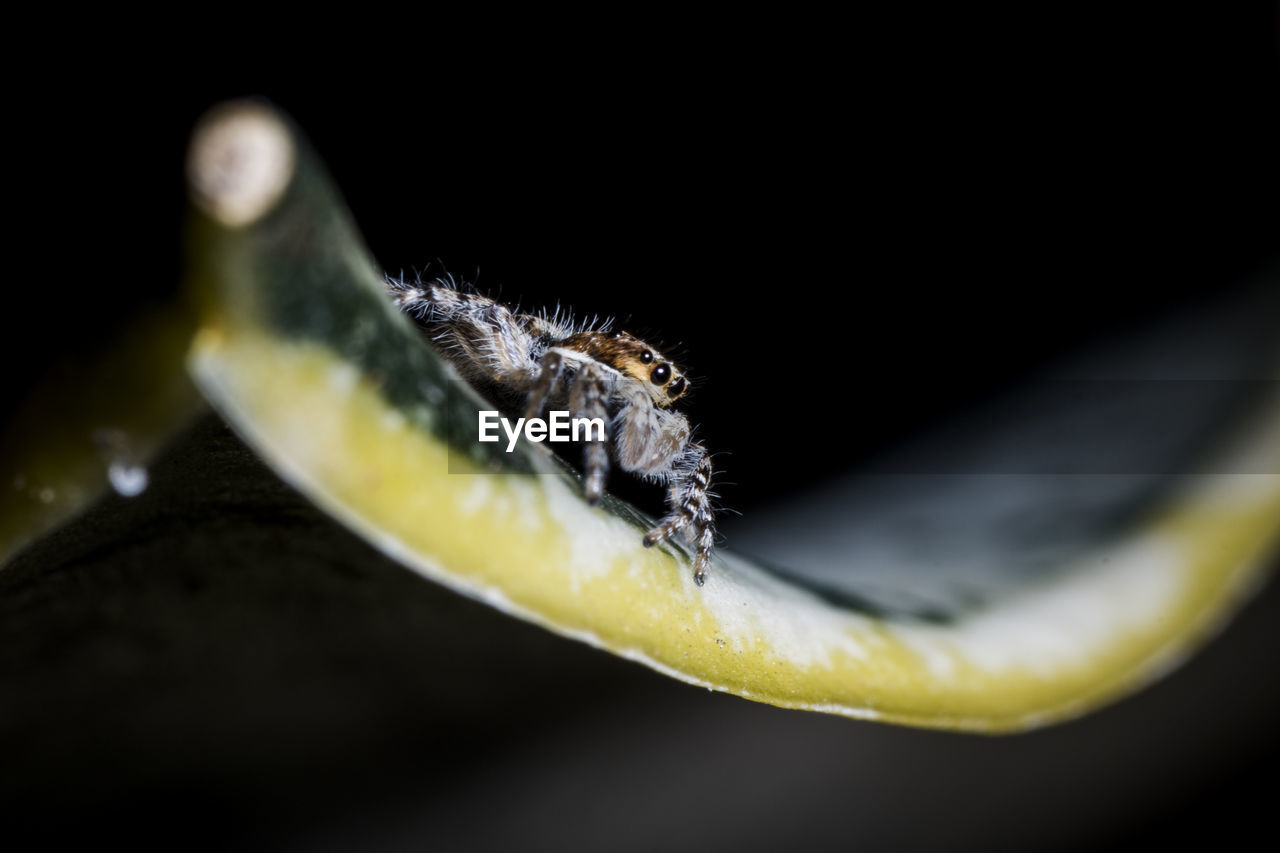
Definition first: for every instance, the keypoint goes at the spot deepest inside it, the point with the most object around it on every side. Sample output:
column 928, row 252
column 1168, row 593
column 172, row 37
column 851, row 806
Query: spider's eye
column 646, row 356
column 660, row 374
column 675, row 389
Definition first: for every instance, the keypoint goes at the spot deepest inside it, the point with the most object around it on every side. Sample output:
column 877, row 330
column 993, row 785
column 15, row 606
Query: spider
column 598, row 373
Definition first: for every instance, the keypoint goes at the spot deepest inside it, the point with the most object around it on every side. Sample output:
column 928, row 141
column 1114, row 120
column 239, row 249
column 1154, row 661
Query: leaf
column 93, row 424
column 299, row 348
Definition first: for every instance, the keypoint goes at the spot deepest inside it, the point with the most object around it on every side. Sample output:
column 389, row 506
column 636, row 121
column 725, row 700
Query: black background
column 865, row 226
column 906, row 215
column 869, row 228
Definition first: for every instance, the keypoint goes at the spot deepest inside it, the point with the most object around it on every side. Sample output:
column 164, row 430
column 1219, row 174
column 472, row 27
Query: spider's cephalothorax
column 596, row 373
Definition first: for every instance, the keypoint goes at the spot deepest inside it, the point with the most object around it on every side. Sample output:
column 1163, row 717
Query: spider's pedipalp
column 650, row 440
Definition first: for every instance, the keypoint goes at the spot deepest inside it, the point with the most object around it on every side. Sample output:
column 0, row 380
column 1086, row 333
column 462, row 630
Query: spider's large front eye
column 646, row 356
column 675, row 389
column 660, row 375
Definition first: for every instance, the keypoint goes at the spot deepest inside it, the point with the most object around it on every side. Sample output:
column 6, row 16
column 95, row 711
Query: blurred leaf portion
column 94, row 421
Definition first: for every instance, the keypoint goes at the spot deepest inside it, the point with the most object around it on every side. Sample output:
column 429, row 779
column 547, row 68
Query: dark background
column 919, row 211
column 916, row 209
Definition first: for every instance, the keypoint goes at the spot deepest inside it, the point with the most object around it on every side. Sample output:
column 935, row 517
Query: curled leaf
column 302, row 352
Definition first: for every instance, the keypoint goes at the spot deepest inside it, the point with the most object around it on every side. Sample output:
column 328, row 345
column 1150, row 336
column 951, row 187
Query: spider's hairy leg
column 690, row 499
column 430, row 301
column 545, row 384
column 591, row 388
column 485, row 340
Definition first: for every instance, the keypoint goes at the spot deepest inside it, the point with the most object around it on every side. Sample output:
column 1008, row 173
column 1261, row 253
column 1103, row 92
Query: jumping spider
column 599, row 374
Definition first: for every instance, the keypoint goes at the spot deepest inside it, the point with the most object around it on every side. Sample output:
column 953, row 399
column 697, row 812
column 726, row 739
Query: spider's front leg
column 591, row 388
column 544, row 384
column 689, row 496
